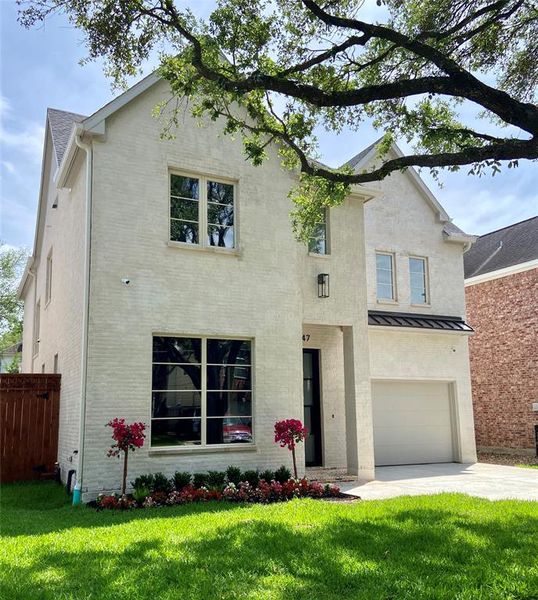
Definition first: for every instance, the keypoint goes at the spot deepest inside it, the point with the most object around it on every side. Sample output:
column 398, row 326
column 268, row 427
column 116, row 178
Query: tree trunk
column 124, row 482
column 294, row 462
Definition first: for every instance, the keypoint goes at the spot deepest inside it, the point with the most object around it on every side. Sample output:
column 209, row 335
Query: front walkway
column 495, row 482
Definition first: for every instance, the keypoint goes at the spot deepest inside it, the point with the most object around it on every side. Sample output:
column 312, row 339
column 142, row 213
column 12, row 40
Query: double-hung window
column 318, row 243
column 202, row 211
column 418, row 275
column 385, row 276
column 201, row 391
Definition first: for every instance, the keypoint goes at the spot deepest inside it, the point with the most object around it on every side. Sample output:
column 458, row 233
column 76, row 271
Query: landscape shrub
column 143, row 481
column 252, row 477
column 199, row 480
column 161, row 483
column 282, row 474
column 233, row 475
column 267, row 475
column 216, row 479
column 181, row 479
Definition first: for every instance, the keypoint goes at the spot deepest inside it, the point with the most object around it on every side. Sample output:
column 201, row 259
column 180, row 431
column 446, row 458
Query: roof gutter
column 78, row 131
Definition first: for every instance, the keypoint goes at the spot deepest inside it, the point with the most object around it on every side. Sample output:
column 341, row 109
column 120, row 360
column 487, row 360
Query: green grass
column 528, row 466
column 438, row 547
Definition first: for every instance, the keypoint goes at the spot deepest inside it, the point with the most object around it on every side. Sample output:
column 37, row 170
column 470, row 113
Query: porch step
column 328, row 475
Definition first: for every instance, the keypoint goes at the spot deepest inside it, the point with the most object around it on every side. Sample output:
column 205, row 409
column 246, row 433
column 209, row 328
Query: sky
column 40, row 68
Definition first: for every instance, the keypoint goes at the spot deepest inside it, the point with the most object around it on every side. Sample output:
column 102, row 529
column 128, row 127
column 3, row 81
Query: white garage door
column 412, row 422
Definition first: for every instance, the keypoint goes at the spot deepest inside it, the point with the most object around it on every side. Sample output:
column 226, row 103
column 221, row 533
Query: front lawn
column 446, row 546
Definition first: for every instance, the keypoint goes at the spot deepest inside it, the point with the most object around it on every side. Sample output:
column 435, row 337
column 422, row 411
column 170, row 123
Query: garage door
column 412, row 422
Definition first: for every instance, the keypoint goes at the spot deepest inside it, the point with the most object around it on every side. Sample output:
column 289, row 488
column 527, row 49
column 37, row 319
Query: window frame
column 204, row 446
column 425, row 261
column 394, row 299
column 37, row 328
column 48, row 279
column 326, row 222
column 203, row 207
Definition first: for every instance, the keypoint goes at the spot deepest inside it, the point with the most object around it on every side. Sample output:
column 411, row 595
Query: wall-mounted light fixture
column 323, row 285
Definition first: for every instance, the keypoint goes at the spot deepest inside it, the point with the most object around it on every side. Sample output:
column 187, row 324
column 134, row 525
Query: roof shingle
column 505, row 247
column 61, row 123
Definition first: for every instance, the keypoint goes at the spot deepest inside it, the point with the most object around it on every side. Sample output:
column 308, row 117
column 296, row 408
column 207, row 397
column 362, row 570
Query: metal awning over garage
column 384, row 318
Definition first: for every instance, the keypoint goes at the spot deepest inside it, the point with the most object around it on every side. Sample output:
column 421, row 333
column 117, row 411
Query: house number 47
column 306, row 337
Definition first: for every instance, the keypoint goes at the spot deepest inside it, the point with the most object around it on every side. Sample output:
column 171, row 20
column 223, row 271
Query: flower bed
column 163, row 493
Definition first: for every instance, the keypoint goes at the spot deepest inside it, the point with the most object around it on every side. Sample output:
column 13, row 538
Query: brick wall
column 504, row 359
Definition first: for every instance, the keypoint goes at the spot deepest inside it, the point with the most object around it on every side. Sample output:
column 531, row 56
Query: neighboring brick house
column 166, row 286
column 501, row 287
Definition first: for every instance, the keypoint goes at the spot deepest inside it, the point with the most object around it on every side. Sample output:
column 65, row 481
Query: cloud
column 26, row 139
column 8, row 166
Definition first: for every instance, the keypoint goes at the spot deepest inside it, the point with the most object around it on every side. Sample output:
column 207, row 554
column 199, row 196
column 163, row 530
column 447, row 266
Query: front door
column 312, row 410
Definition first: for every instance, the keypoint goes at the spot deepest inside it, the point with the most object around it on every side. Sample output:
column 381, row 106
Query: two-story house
column 166, row 286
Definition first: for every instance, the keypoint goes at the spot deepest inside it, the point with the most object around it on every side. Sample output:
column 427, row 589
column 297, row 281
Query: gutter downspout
column 77, row 492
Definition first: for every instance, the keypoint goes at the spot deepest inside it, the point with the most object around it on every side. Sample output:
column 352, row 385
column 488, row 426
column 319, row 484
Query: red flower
column 127, row 437
column 289, row 432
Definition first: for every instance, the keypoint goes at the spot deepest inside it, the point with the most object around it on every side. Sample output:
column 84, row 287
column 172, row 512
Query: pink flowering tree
column 288, row 433
column 127, row 439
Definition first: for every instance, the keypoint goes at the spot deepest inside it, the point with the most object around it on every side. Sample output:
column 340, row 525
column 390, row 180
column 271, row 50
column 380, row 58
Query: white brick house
column 157, row 263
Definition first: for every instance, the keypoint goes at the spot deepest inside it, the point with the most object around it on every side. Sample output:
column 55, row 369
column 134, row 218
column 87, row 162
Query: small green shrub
column 233, row 475
column 140, row 494
column 143, row 481
column 161, row 483
column 251, row 476
column 282, row 474
column 181, row 479
column 199, row 480
column 216, row 479
column 267, row 475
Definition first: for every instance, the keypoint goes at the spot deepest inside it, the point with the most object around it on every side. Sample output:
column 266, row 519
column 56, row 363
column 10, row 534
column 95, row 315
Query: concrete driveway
column 495, row 482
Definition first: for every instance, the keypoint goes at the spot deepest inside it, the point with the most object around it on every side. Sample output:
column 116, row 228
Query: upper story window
column 202, row 211
column 48, row 279
column 385, row 276
column 318, row 242
column 418, row 274
column 201, row 391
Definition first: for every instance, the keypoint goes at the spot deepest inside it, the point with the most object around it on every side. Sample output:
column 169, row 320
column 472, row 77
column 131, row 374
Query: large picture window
column 202, row 211
column 201, row 391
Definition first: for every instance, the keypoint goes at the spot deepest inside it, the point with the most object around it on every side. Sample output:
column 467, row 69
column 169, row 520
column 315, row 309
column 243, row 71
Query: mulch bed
column 497, row 458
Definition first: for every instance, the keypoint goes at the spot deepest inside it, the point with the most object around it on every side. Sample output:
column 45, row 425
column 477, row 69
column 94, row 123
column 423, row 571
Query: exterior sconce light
column 323, row 285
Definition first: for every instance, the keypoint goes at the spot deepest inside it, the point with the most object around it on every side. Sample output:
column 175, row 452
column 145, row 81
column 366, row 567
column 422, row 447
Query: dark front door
column 312, row 411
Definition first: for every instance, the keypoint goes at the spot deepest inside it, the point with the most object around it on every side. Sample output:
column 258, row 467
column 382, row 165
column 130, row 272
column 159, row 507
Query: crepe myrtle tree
column 289, row 433
column 272, row 71
column 127, row 438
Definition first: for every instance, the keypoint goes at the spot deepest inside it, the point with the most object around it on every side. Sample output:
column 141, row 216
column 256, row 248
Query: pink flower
column 289, row 432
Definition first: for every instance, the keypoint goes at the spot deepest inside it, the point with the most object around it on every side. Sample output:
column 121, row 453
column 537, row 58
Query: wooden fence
column 29, row 413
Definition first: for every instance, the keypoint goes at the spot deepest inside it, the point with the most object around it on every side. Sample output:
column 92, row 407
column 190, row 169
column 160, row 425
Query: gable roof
column 511, row 245
column 358, row 158
column 61, row 123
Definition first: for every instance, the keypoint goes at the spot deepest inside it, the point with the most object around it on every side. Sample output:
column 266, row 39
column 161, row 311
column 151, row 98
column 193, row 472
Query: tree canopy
column 276, row 70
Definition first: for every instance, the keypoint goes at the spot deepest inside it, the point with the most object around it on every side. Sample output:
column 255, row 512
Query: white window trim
column 48, row 278
column 327, row 252
column 427, row 302
column 204, row 447
column 36, row 329
column 202, row 212
column 394, row 299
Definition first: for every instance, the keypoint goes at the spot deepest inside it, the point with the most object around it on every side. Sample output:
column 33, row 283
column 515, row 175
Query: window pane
column 417, row 280
column 229, row 431
column 182, row 231
column 384, row 261
column 384, row 277
column 176, row 404
column 228, row 378
column 416, row 265
column 174, row 377
column 184, row 187
column 176, row 432
column 384, row 292
column 184, row 209
column 222, row 404
column 317, row 245
column 222, row 193
column 418, row 296
column 232, row 352
column 222, row 237
column 177, row 350
column 220, row 214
